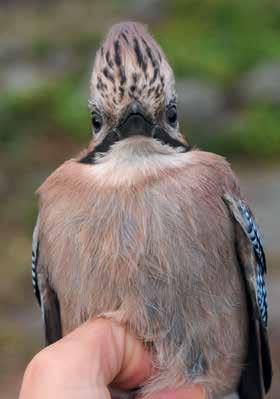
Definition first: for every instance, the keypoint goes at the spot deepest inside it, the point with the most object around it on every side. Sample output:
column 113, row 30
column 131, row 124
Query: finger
column 116, row 355
column 120, row 358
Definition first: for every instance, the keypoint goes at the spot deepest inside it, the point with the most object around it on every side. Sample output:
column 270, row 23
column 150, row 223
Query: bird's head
column 132, row 88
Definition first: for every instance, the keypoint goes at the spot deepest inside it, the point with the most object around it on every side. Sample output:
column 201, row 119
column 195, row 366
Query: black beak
column 135, row 121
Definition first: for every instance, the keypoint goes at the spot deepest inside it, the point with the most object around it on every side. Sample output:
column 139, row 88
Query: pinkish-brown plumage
column 135, row 240
column 142, row 235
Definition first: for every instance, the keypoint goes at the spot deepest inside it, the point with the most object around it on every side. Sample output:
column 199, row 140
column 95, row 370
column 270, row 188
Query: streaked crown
column 131, row 66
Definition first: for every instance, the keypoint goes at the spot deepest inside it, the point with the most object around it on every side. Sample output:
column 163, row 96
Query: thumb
column 121, row 359
column 127, row 364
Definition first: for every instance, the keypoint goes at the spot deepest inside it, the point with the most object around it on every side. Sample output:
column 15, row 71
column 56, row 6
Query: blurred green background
column 226, row 56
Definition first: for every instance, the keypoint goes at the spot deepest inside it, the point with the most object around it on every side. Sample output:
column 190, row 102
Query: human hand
column 82, row 365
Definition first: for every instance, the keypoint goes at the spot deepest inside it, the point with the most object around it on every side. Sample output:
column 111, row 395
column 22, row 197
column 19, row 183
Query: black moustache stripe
column 113, row 136
column 161, row 135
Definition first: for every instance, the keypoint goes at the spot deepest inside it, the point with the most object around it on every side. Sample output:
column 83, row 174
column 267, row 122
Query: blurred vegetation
column 214, row 40
column 255, row 135
column 218, row 39
column 60, row 107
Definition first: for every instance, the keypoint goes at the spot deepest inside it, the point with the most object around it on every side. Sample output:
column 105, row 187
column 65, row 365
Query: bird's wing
column 35, row 257
column 44, row 293
column 257, row 374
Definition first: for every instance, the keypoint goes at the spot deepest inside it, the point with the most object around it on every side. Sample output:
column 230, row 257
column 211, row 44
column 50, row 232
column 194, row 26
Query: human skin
column 82, row 365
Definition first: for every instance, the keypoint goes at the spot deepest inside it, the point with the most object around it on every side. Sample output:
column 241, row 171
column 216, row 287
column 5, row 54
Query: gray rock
column 21, row 77
column 11, row 48
column 61, row 60
column 199, row 102
column 261, row 83
column 262, row 189
column 147, row 10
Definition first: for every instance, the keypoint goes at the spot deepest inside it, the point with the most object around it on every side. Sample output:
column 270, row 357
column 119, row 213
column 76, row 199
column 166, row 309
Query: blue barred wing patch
column 256, row 241
column 35, row 257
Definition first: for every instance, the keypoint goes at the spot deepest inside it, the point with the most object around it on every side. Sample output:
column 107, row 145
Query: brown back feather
column 148, row 240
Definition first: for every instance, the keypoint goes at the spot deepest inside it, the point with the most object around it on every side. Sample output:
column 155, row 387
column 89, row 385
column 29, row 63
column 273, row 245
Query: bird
column 146, row 229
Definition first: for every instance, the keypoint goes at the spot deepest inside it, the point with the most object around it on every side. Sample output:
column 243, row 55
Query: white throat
column 135, row 158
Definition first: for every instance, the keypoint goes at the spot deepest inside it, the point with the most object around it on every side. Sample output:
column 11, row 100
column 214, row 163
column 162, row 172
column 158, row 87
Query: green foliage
column 69, row 111
column 218, row 39
column 81, row 44
column 60, row 108
column 255, row 133
column 21, row 112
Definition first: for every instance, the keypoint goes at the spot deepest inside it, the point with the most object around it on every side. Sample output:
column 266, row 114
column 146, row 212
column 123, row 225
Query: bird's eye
column 171, row 115
column 96, row 122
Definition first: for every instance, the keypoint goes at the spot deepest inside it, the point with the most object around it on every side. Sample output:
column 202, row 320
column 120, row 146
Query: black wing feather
column 257, row 244
column 257, row 375
column 44, row 293
column 35, row 257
